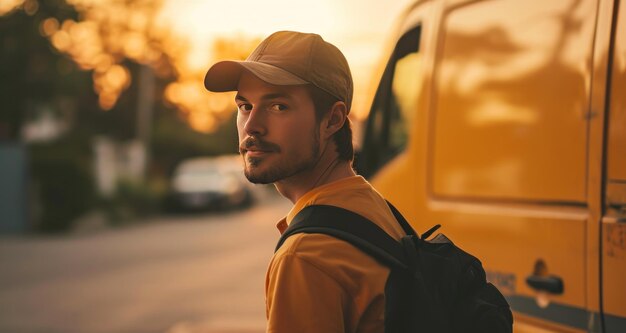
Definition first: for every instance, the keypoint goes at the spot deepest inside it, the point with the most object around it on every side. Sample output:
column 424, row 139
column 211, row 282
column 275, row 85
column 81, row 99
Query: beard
column 281, row 169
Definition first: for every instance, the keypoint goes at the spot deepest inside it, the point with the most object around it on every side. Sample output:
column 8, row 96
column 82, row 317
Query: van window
column 394, row 105
column 511, row 101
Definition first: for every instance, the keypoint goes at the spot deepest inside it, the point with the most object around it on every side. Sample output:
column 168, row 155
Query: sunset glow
column 184, row 38
column 358, row 28
column 7, row 6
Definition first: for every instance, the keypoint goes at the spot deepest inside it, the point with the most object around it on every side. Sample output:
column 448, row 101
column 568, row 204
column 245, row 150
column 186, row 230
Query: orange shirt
column 317, row 283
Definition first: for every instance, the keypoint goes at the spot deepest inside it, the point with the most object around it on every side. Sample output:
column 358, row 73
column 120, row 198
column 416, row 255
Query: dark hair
column 323, row 101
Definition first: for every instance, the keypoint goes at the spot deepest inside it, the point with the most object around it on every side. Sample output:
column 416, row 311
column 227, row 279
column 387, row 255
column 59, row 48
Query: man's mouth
column 257, row 148
column 256, row 152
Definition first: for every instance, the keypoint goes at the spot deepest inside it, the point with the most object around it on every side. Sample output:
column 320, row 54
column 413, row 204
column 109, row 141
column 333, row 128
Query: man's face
column 278, row 131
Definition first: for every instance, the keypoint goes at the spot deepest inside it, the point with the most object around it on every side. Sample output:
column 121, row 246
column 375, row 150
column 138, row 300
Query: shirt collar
column 282, row 225
column 310, row 197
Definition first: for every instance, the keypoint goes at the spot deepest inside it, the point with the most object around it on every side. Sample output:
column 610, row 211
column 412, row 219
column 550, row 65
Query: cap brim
column 224, row 75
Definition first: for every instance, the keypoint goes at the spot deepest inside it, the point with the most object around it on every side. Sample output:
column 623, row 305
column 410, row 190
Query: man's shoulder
column 326, row 252
column 315, row 245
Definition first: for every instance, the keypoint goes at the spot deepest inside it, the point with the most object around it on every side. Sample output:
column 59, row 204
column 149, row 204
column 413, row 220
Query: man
column 294, row 94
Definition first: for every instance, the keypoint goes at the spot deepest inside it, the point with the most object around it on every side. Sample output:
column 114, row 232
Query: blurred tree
column 172, row 143
column 37, row 84
column 75, row 62
column 32, row 76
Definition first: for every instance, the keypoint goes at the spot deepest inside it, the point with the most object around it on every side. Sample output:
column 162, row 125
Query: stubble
column 281, row 168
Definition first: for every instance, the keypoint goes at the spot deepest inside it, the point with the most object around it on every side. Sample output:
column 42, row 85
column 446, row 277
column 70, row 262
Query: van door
column 508, row 150
column 497, row 149
column 614, row 220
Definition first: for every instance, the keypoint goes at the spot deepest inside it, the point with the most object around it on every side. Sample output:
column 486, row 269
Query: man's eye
column 278, row 107
column 245, row 107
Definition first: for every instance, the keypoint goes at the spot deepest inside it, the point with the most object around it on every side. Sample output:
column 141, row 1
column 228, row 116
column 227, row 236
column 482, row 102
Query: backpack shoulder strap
column 402, row 221
column 350, row 227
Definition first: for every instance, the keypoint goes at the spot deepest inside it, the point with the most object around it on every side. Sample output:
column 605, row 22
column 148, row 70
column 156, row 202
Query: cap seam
column 261, row 51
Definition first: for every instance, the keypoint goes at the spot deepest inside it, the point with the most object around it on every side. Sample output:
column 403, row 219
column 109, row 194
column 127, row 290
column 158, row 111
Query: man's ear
column 335, row 118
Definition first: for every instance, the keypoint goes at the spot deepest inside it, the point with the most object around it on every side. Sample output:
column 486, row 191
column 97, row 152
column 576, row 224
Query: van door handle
column 551, row 283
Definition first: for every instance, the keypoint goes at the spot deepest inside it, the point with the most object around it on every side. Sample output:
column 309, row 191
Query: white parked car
column 207, row 183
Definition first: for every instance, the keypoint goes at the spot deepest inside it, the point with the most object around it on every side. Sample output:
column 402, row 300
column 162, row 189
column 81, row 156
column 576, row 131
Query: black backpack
column 433, row 285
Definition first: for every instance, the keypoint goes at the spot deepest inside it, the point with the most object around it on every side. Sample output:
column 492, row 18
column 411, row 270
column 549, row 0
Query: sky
column 358, row 27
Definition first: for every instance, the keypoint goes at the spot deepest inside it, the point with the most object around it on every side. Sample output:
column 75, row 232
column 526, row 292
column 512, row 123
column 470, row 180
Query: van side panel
column 511, row 101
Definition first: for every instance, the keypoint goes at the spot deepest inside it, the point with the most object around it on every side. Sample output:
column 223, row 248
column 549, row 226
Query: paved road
column 198, row 274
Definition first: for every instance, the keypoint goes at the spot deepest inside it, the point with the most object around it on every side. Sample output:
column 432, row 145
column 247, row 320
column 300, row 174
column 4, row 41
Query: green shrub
column 133, row 200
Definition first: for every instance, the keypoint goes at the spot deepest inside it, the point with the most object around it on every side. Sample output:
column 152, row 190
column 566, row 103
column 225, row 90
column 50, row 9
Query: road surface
column 186, row 274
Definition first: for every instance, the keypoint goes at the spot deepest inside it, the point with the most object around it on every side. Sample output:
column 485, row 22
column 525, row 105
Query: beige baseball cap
column 289, row 58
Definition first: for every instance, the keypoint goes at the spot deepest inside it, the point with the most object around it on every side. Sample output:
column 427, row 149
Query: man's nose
column 255, row 123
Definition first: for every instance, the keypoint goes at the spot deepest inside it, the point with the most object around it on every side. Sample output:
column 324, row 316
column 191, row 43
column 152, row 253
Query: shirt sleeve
column 301, row 297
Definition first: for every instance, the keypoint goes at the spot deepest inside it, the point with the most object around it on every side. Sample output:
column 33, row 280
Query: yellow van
column 505, row 121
